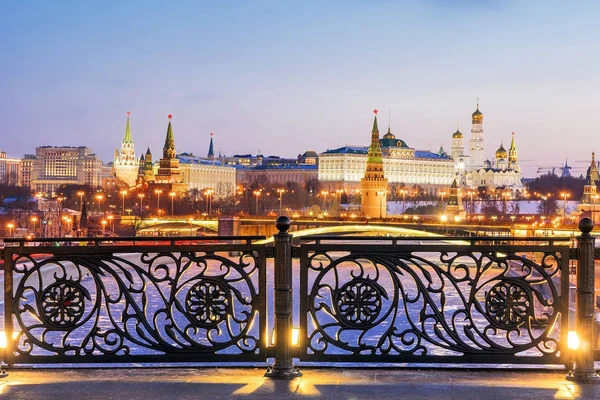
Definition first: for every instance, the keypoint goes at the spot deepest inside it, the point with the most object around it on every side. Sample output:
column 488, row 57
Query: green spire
column 211, row 153
column 375, row 128
column 169, row 148
column 127, row 131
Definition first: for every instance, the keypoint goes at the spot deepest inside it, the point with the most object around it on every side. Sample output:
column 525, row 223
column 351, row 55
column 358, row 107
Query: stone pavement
column 326, row 383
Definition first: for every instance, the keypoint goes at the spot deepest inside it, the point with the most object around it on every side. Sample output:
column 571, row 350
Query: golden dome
column 457, row 135
column 389, row 135
column 477, row 114
column 501, row 152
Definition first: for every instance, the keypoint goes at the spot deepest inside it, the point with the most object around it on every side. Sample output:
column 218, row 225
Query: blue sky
column 288, row 76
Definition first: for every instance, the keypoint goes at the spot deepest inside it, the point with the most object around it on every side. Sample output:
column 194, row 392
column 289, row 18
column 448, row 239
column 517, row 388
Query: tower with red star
column 168, row 169
column 374, row 184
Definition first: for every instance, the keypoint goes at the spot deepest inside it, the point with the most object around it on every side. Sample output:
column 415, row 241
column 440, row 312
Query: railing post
column 584, row 371
column 283, row 367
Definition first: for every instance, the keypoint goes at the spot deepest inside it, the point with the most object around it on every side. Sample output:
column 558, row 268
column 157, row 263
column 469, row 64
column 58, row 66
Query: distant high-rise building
column 125, row 163
column 27, row 169
column 56, row 166
column 9, row 170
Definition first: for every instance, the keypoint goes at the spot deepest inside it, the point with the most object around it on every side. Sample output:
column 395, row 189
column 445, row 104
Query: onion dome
column 501, row 152
column 477, row 115
column 457, row 135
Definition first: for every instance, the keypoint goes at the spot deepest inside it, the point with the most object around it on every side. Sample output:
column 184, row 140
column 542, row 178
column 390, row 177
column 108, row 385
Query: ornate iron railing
column 152, row 302
column 439, row 302
column 363, row 299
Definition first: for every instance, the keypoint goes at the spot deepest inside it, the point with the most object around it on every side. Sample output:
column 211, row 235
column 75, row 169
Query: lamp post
column 141, row 196
column 10, row 227
column 564, row 195
column 103, row 226
column 172, row 194
column 158, row 192
column 99, row 197
column 123, row 193
column 280, row 191
column 34, row 219
column 80, row 194
column 257, row 194
column 112, row 225
column 208, row 193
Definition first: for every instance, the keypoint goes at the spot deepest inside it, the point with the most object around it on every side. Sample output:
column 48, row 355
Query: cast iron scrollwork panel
column 425, row 303
column 137, row 304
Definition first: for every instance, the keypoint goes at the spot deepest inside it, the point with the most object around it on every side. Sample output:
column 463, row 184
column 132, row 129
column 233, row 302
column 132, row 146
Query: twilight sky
column 288, row 76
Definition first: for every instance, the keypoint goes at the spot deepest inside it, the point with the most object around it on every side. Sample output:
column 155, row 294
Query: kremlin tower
column 374, row 185
column 125, row 164
column 169, row 174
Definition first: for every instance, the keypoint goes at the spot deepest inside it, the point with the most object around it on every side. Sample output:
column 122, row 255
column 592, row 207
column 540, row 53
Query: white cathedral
column 473, row 171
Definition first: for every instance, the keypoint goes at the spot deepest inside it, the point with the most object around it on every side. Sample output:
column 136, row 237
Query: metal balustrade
column 357, row 299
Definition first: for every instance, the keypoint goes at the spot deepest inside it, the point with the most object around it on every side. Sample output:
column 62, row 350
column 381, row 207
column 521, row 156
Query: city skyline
column 286, row 78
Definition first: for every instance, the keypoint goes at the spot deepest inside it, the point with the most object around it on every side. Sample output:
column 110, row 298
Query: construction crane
column 564, row 169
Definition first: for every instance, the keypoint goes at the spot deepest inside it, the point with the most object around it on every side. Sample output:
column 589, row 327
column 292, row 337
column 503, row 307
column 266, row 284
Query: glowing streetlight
column 257, row 194
column 403, row 193
column 123, row 194
column 99, row 197
column 34, row 219
column 112, row 225
column 10, row 227
column 280, row 191
column 141, row 196
column 172, row 194
column 103, row 222
column 208, row 193
column 158, row 192
column 565, row 195
column 80, row 194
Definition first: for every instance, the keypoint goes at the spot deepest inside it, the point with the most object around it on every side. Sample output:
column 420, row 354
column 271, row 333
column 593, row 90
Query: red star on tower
column 375, row 111
column 128, row 113
column 170, row 116
column 211, row 134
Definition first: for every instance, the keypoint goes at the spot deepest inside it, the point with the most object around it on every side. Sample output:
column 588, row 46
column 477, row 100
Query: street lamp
column 141, row 196
column 123, row 193
column 103, row 226
column 99, row 197
column 34, row 219
column 208, row 193
column 172, row 194
column 256, row 193
column 280, row 191
column 10, row 227
column 158, row 192
column 403, row 193
column 80, row 194
column 564, row 195
column 112, row 225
